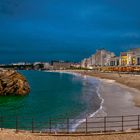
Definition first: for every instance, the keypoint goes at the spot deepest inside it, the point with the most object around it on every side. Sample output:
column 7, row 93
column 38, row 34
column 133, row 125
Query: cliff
column 13, row 83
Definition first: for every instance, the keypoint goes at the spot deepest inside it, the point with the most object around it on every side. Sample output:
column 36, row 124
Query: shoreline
column 118, row 101
column 121, row 79
column 81, row 121
column 126, row 80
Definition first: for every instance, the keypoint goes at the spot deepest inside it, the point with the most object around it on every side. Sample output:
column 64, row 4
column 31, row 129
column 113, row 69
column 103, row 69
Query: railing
column 60, row 125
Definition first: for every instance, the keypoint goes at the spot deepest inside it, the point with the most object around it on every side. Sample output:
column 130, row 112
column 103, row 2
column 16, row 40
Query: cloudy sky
column 41, row 30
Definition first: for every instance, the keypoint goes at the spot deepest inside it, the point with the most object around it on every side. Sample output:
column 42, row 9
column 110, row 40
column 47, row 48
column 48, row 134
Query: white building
column 46, row 66
column 84, row 63
column 102, row 57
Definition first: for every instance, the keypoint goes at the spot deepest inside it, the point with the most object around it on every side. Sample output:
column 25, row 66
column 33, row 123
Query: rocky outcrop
column 13, row 83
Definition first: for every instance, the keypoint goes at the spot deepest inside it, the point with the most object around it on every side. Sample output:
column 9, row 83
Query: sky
column 44, row 30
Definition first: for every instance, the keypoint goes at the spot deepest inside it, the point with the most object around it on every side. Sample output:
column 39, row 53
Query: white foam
column 74, row 127
column 101, row 105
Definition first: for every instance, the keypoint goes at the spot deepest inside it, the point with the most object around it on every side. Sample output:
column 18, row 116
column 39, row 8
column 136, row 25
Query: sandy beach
column 9, row 135
column 120, row 97
column 128, row 80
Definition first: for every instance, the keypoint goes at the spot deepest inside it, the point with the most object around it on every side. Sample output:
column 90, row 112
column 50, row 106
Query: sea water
column 53, row 95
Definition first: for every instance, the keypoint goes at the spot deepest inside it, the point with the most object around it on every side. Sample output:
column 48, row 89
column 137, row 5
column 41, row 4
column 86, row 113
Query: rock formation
column 13, row 83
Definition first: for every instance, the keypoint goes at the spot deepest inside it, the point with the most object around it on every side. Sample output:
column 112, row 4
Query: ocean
column 53, row 95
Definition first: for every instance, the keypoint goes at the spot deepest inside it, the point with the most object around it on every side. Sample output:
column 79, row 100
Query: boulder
column 13, row 83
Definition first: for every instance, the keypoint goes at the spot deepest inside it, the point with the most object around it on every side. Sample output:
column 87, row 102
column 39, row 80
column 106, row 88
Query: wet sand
column 129, row 80
column 118, row 99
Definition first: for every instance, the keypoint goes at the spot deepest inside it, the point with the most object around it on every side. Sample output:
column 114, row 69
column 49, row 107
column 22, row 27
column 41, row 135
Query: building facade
column 60, row 65
column 131, row 58
column 137, row 55
column 123, row 59
column 102, row 57
column 84, row 63
column 114, row 61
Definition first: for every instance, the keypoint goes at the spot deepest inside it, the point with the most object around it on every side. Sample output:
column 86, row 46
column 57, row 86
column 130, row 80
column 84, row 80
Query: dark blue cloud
column 49, row 29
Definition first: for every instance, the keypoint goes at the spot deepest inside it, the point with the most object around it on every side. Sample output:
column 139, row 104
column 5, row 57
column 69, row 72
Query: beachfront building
column 99, row 57
column 75, row 65
column 84, row 63
column 102, row 57
column 60, row 65
column 123, row 59
column 137, row 55
column 114, row 61
column 46, row 66
column 131, row 58
column 93, row 60
column 108, row 57
column 87, row 63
